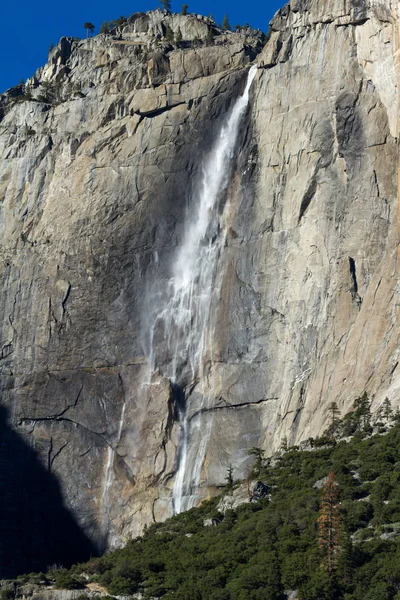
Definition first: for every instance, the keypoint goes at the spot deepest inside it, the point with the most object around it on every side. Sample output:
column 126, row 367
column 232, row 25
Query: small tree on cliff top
column 89, row 28
column 225, row 24
column 166, row 4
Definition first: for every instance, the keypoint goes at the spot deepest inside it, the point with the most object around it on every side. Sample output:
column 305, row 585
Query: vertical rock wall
column 96, row 176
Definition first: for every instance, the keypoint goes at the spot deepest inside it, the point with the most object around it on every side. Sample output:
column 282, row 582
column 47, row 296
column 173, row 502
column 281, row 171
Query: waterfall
column 108, row 470
column 184, row 316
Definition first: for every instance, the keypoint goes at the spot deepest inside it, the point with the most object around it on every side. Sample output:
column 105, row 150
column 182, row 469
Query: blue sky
column 29, row 27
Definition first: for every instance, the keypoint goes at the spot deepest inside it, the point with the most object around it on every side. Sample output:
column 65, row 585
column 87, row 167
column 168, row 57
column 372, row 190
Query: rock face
column 100, row 162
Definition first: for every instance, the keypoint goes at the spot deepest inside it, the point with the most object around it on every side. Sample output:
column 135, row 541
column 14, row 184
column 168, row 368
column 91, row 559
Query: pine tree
column 284, row 444
column 28, row 92
column 89, row 28
column 346, row 559
column 387, row 409
column 330, row 529
column 229, row 478
column 166, row 4
column 225, row 23
column 362, row 411
column 259, row 454
column 104, row 27
column 334, row 417
column 184, row 9
column 210, row 36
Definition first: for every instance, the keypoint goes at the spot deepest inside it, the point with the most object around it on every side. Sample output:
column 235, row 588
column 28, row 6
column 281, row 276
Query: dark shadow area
column 36, row 529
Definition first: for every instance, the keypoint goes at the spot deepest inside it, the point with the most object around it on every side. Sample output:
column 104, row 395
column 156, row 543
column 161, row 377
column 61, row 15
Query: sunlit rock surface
column 94, row 194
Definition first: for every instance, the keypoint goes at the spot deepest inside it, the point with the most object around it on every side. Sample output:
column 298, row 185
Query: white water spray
column 186, row 314
column 111, row 449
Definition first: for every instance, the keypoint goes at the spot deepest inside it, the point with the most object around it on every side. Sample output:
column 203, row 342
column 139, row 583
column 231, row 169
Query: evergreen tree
column 210, row 36
column 284, row 444
column 334, row 418
column 166, row 4
column 346, row 559
column 225, row 23
column 330, row 531
column 362, row 411
column 387, row 409
column 28, row 92
column 259, row 454
column 184, row 9
column 89, row 28
column 104, row 27
column 229, row 478
column 48, row 92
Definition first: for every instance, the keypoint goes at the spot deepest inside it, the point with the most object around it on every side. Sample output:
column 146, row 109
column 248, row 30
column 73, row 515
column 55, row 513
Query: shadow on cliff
column 36, row 529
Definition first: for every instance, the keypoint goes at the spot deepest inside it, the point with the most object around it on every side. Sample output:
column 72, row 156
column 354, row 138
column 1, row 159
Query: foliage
column 358, row 419
column 225, row 23
column 184, row 9
column 229, row 478
column 89, row 27
column 334, row 414
column 258, row 453
column 385, row 412
column 330, row 533
column 263, row 548
column 67, row 581
column 284, row 444
column 166, row 4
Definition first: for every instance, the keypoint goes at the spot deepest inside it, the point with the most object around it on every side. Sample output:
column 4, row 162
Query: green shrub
column 66, row 581
column 262, row 548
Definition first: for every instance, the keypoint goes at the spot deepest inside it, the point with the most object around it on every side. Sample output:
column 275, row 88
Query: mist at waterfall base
column 183, row 313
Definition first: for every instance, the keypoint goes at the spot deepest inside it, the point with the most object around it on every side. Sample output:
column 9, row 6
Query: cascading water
column 111, row 449
column 185, row 315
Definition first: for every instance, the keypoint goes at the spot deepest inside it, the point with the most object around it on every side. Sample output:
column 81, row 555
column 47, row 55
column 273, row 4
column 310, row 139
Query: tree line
column 106, row 27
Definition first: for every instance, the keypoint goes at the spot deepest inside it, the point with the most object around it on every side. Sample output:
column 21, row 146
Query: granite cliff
column 103, row 153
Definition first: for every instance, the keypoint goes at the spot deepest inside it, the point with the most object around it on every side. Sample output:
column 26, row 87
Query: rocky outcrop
column 100, row 158
column 246, row 492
